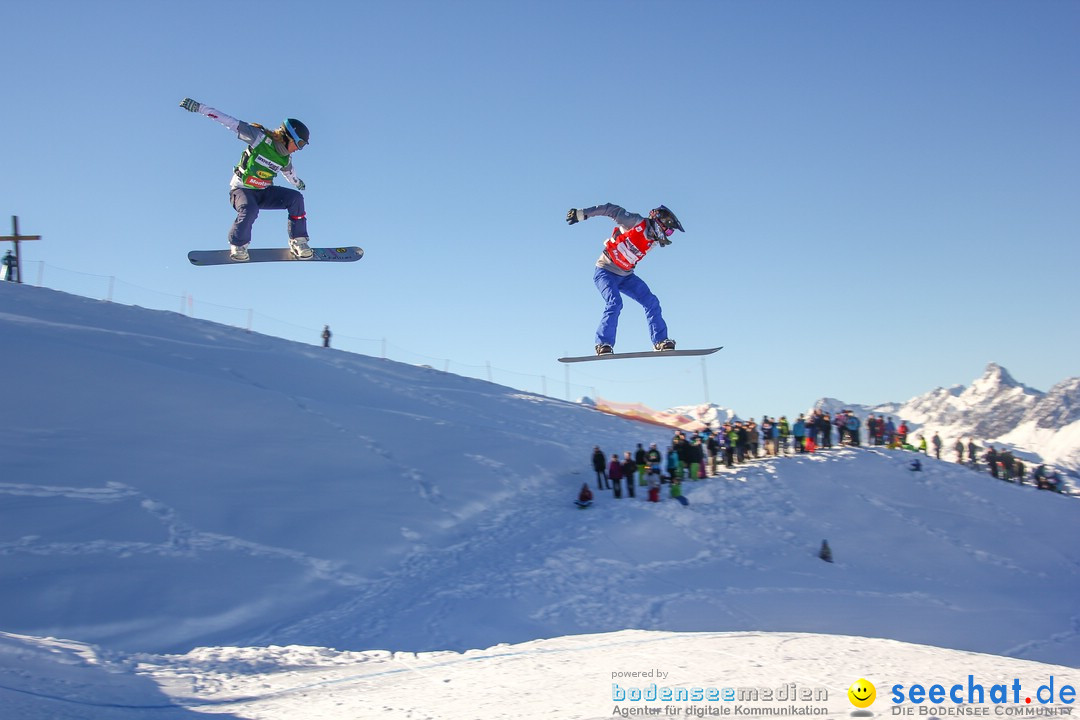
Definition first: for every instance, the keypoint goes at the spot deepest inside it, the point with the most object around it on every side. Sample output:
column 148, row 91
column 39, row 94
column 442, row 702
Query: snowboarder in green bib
column 252, row 188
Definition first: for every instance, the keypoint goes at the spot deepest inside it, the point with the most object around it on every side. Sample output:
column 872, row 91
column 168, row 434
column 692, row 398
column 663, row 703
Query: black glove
column 572, row 216
column 189, row 105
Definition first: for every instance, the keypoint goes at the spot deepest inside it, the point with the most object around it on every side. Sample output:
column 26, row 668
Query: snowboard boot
column 664, row 345
column 604, row 350
column 300, row 249
column 238, row 253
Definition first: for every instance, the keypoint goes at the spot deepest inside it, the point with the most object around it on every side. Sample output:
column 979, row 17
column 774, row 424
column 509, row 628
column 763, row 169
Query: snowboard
column 645, row 354
column 683, row 500
column 258, row 255
column 583, row 505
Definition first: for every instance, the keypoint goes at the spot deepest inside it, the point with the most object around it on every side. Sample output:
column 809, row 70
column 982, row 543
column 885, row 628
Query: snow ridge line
column 112, row 492
column 1064, row 636
column 183, row 539
column 91, row 703
column 419, row 667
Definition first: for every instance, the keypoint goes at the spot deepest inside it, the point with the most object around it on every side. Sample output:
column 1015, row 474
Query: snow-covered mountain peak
column 995, row 382
column 997, row 373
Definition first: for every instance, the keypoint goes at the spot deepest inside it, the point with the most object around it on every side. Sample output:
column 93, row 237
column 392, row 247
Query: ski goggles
column 300, row 142
column 668, row 223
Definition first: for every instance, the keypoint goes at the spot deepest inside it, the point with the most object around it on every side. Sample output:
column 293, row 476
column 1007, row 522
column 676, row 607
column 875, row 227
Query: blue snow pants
column 612, row 287
column 248, row 203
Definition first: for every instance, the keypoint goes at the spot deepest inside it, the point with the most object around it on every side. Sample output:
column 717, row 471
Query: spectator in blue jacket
column 890, row 432
column 798, row 431
column 672, row 463
column 853, row 428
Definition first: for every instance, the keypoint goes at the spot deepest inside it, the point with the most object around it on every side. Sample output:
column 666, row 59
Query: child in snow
column 654, row 487
column 632, row 237
column 585, row 497
column 252, row 186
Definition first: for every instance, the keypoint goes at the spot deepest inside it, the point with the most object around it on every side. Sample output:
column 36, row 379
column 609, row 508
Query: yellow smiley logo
column 862, row 693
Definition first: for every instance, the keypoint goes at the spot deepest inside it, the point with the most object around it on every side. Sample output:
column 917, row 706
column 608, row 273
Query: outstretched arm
column 245, row 132
column 620, row 215
column 197, row 107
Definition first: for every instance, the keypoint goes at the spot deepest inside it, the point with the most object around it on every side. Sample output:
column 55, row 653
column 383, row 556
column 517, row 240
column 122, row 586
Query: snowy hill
column 173, row 483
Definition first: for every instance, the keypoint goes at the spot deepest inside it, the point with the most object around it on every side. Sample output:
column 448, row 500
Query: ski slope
column 176, row 491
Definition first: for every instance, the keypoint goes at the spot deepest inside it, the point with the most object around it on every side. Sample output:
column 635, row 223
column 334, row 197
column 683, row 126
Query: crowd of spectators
column 698, row 455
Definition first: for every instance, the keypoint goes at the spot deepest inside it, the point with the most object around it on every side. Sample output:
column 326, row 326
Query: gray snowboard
column 221, row 257
column 647, row 353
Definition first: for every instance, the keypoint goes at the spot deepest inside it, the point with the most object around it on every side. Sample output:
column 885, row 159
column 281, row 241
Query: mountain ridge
column 994, row 409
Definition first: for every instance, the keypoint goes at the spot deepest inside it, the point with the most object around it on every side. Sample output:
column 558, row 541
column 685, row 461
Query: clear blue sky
column 879, row 197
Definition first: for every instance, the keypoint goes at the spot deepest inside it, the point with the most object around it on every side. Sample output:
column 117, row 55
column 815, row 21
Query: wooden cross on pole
column 15, row 237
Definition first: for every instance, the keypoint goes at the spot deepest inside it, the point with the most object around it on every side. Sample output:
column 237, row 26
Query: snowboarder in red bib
column 631, row 239
column 252, row 186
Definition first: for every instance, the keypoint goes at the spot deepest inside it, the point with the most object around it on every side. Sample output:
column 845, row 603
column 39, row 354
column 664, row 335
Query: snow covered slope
column 172, row 483
column 559, row 678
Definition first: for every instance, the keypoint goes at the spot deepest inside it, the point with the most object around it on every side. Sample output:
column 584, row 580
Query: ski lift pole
column 705, row 380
